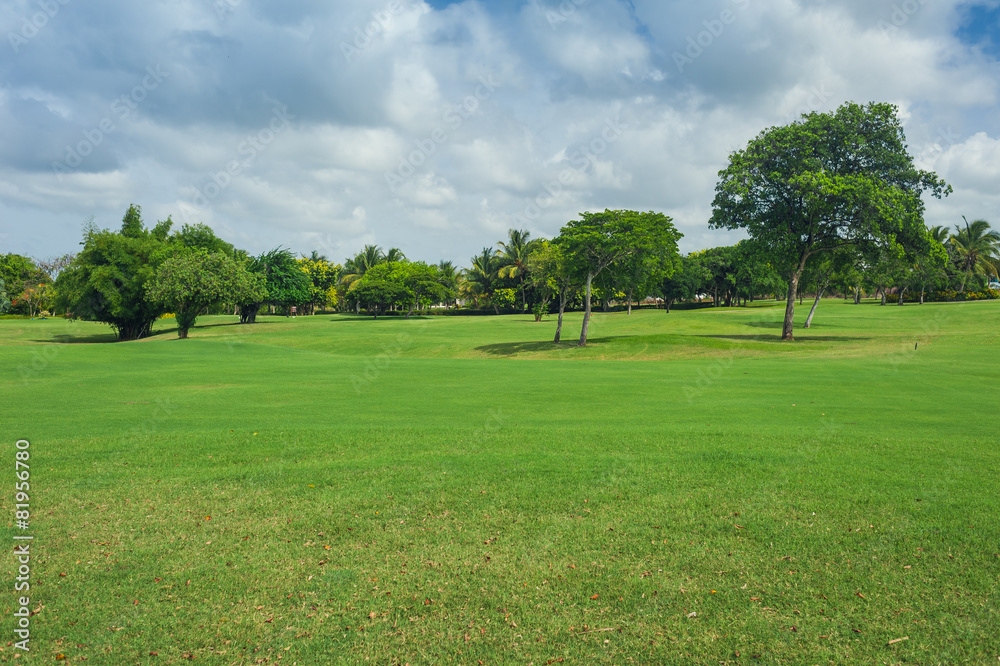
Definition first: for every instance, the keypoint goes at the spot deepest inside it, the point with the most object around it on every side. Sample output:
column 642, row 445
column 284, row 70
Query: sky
column 436, row 126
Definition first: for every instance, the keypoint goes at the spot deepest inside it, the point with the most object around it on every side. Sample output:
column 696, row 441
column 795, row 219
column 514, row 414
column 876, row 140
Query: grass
column 333, row 489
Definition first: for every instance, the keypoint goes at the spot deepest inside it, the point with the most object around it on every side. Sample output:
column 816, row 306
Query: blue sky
column 436, row 126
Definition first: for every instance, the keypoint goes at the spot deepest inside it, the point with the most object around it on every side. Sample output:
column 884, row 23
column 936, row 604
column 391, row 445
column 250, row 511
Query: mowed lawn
column 687, row 488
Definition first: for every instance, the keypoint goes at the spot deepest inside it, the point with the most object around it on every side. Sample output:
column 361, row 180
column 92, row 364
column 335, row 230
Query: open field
column 334, row 489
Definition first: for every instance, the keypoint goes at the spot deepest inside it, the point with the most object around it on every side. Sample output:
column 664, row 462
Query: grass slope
column 456, row 490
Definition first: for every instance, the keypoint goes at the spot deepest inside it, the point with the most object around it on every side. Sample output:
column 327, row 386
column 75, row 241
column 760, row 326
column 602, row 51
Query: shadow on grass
column 512, row 348
column 777, row 338
column 369, row 318
column 102, row 338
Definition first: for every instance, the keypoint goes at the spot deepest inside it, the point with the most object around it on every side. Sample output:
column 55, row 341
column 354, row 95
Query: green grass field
column 687, row 488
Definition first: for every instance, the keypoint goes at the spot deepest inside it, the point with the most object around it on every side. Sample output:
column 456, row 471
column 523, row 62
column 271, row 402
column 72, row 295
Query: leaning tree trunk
column 586, row 312
column 812, row 311
column 563, row 297
column 882, row 289
column 902, row 292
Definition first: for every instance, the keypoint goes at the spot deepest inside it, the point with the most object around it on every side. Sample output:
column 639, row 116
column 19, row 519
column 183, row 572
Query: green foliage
column 285, row 283
column 615, row 237
column 323, row 276
column 201, row 237
column 482, row 278
column 504, row 299
column 4, row 299
column 187, row 283
column 106, row 281
column 976, row 250
column 829, row 180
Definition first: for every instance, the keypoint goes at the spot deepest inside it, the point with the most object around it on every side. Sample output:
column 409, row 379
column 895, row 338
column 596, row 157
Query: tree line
column 831, row 202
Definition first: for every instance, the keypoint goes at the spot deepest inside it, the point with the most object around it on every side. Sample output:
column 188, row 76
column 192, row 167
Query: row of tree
column 830, row 202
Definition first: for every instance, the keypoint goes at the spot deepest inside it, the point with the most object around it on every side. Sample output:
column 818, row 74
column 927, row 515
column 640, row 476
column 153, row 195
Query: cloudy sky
column 435, row 126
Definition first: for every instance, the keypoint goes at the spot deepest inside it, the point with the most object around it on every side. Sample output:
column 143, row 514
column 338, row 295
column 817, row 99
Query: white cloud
column 557, row 84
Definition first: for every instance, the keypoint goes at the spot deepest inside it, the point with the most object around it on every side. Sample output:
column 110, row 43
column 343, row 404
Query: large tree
column 106, row 281
column 599, row 240
column 827, row 181
column 189, row 282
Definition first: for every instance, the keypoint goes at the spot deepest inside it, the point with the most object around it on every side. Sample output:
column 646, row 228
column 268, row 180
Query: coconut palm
column 977, row 249
column 394, row 254
column 482, row 277
column 514, row 258
column 448, row 277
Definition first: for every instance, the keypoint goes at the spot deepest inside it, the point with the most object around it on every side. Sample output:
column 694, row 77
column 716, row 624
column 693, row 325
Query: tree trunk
column 857, row 295
column 182, row 333
column 412, row 308
column 882, row 289
column 902, row 292
column 922, row 294
column 630, row 301
column 793, row 288
column 524, row 302
column 586, row 312
column 563, row 297
column 668, row 301
column 812, row 311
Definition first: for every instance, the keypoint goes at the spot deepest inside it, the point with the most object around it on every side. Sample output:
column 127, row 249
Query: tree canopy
column 599, row 240
column 827, row 181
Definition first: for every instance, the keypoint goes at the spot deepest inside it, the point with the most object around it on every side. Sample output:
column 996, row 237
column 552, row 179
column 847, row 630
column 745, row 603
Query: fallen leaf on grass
column 692, row 614
column 594, row 597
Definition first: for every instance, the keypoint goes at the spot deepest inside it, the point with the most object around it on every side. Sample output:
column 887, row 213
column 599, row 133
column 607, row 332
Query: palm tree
column 448, row 277
column 355, row 267
column 482, row 276
column 514, row 258
column 394, row 254
column 977, row 249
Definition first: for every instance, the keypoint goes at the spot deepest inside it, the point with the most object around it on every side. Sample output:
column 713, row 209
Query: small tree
column 189, row 282
column 552, row 275
column 599, row 240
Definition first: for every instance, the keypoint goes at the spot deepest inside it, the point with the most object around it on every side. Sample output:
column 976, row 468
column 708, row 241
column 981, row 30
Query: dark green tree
column 106, row 281
column 827, row 181
column 285, row 283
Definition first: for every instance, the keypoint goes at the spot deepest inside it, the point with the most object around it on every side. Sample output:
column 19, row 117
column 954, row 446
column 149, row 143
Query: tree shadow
column 777, row 338
column 369, row 318
column 513, row 348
